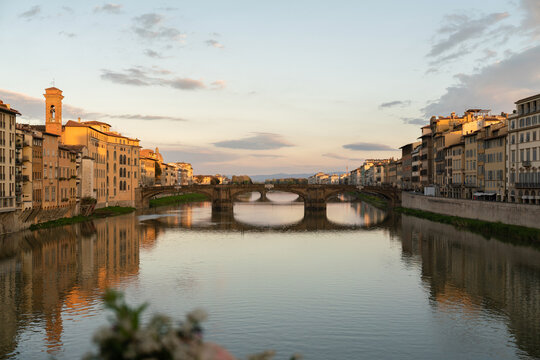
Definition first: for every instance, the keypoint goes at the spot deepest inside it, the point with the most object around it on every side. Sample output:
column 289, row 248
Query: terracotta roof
column 95, row 123
column 50, row 134
column 5, row 108
column 74, row 147
column 88, row 124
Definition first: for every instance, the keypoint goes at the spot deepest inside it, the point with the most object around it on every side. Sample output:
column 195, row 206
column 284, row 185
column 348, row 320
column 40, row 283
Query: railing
column 526, row 163
column 527, row 185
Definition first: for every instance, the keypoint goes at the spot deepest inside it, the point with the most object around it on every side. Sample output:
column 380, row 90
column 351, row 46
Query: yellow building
column 50, row 170
column 495, row 160
column 7, row 157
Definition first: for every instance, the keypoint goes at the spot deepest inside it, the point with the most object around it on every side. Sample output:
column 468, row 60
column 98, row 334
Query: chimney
column 79, row 119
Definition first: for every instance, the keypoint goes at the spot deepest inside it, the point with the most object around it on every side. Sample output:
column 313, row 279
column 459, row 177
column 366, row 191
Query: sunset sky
column 264, row 87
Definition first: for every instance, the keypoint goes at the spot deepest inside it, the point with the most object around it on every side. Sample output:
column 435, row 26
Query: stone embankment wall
column 22, row 219
column 513, row 214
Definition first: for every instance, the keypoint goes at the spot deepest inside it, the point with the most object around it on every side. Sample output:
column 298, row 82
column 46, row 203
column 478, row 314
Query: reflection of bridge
column 223, row 196
column 225, row 220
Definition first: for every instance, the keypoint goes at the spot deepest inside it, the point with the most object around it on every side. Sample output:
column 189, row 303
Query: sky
column 263, row 87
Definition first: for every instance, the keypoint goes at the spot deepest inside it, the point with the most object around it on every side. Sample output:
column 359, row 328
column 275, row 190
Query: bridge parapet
column 315, row 197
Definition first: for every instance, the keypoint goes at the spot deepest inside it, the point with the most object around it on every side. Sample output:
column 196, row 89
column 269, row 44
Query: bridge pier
column 222, row 199
column 315, row 200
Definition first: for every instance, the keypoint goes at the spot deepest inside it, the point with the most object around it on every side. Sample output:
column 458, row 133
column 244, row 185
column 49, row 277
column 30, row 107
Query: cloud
column 195, row 154
column 218, row 84
column 31, row 13
column 214, row 43
column 390, row 104
column 153, row 54
column 531, row 20
column 460, row 28
column 109, row 8
column 141, row 76
column 148, row 27
column 259, row 141
column 414, row 121
column 185, row 84
column 340, row 157
column 67, row 34
column 146, row 117
column 33, row 109
column 364, row 146
column 265, row 156
column 496, row 86
column 68, row 9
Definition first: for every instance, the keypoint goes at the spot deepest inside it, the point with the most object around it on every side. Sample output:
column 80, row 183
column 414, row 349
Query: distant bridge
column 315, row 197
column 392, row 194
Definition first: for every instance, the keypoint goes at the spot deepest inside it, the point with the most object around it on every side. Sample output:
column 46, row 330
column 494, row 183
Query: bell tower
column 53, row 110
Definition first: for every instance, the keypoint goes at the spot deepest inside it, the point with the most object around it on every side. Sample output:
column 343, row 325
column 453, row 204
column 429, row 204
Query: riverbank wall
column 507, row 213
column 18, row 220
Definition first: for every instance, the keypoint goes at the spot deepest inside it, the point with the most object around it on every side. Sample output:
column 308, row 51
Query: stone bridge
column 315, row 197
column 392, row 194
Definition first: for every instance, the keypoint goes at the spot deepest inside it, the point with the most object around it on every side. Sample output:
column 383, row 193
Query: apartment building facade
column 7, row 157
column 524, row 152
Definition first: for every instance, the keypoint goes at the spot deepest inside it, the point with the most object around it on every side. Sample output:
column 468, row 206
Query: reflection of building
column 63, row 271
column 466, row 270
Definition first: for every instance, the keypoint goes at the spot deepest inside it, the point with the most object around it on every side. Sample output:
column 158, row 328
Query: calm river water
column 356, row 284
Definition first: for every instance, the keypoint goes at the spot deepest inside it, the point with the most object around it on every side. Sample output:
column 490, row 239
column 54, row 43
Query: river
column 358, row 283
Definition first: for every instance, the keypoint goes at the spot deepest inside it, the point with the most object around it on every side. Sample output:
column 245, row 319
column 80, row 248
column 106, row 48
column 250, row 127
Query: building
column 426, row 157
column 524, row 152
column 67, row 176
column 50, row 170
column 150, row 167
column 416, row 164
column 7, row 157
column 185, row 173
column 318, row 178
column 169, row 175
column 72, row 149
column 24, row 168
column 495, row 160
column 37, row 169
column 455, row 159
column 406, row 158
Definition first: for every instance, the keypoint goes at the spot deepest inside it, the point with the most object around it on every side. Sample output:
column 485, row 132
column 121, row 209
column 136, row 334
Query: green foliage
column 177, row 199
column 98, row 213
column 127, row 338
column 88, row 200
column 376, row 201
column 504, row 232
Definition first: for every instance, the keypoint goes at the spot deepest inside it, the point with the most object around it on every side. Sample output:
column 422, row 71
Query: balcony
column 527, row 185
column 19, row 178
column 526, row 163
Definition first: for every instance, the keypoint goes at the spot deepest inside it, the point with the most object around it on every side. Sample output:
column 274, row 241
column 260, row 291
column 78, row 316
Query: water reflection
column 259, row 216
column 406, row 286
column 48, row 274
column 471, row 276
